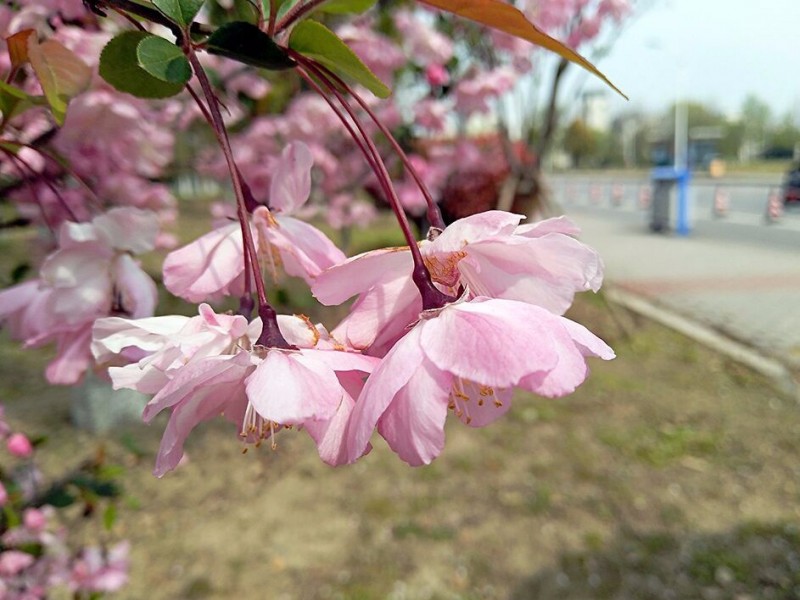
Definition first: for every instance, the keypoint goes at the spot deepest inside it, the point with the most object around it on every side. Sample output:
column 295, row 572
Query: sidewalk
column 747, row 290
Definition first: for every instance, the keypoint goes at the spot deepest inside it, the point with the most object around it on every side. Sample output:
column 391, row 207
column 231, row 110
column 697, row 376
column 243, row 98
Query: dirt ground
column 672, row 473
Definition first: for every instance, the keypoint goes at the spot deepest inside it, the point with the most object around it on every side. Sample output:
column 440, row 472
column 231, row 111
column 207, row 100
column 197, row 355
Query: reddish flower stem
column 432, row 297
column 270, row 333
column 13, row 158
column 297, row 13
column 434, row 214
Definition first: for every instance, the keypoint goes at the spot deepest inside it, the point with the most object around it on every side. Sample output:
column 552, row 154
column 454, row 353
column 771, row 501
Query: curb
column 782, row 377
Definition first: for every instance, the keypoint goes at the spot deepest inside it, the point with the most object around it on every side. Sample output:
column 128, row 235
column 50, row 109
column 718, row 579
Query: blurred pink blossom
column 19, row 445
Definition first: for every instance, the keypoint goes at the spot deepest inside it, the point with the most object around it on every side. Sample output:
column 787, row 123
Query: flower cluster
column 37, row 560
column 452, row 323
column 505, row 286
column 92, row 274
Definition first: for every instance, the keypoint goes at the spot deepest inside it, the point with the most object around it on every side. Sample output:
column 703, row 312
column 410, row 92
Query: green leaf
column 285, row 7
column 347, row 7
column 163, row 60
column 316, row 41
column 499, row 15
column 60, row 72
column 109, row 516
column 246, row 43
column 182, row 12
column 58, row 497
column 13, row 100
column 119, row 66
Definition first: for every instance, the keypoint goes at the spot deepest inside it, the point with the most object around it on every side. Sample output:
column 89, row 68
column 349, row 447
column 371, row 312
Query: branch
column 551, row 116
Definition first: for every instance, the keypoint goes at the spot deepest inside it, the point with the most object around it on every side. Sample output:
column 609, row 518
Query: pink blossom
column 466, row 358
column 34, row 519
column 387, row 297
column 473, row 94
column 91, row 275
column 422, row 42
column 492, row 256
column 213, row 266
column 486, row 254
column 437, row 75
column 100, row 570
column 12, row 562
column 19, row 445
column 432, row 114
column 3, row 495
column 211, row 366
column 378, row 52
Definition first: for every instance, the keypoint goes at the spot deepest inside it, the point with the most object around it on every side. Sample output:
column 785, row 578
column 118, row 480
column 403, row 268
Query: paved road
column 743, row 281
column 739, row 200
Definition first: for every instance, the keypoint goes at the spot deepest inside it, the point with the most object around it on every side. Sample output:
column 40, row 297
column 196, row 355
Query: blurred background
column 673, row 473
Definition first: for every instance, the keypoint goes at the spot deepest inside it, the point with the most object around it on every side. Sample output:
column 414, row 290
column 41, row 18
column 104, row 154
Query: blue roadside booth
column 664, row 178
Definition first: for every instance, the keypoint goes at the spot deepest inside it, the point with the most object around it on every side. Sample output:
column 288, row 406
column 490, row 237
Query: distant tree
column 755, row 120
column 581, row 142
column 783, row 139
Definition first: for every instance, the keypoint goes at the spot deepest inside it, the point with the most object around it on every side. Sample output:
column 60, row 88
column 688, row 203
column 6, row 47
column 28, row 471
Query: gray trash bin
column 660, row 215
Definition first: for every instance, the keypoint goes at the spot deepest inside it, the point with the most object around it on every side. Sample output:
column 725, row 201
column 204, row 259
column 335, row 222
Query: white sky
column 718, row 51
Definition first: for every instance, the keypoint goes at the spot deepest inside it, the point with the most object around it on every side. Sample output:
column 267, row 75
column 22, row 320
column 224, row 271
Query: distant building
column 594, row 110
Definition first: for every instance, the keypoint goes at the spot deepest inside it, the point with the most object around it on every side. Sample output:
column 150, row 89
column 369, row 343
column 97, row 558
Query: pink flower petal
column 137, row 290
column 476, row 227
column 290, row 388
column 198, row 403
column 209, row 268
column 128, row 229
column 479, row 405
column 205, row 373
column 381, row 316
column 291, row 183
column 491, row 342
column 562, row 224
column 305, row 250
column 360, row 273
column 111, row 335
column 394, row 372
column 413, row 423
column 74, row 356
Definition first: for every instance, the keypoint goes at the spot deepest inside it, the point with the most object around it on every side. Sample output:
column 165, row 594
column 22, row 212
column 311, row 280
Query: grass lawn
column 672, row 473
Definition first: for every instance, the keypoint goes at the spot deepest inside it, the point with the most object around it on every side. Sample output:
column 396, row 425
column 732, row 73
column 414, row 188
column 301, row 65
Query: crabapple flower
column 213, row 266
column 97, row 570
column 466, row 358
column 492, row 255
column 212, row 366
column 488, row 254
column 91, row 275
column 19, row 445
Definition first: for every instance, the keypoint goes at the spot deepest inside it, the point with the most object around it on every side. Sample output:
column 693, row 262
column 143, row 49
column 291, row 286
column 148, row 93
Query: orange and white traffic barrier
column 721, row 203
column 617, row 193
column 645, row 196
column 774, row 207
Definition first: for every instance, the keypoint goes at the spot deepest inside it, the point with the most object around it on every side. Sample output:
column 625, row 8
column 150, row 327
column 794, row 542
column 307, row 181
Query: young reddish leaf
column 316, row 41
column 18, row 47
column 60, row 72
column 506, row 18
